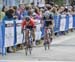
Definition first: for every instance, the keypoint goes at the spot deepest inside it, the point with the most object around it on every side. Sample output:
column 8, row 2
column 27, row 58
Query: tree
column 59, row 2
column 73, row 3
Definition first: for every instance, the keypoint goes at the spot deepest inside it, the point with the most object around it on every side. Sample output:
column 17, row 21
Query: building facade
column 17, row 2
column 36, row 2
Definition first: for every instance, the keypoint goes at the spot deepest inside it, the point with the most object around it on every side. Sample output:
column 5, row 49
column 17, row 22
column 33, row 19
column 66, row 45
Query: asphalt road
column 62, row 49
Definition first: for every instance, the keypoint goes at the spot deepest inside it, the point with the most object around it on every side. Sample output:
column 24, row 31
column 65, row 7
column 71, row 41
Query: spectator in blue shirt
column 9, row 15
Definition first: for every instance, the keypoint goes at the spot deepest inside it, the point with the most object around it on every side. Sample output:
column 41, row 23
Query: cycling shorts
column 47, row 23
column 29, row 27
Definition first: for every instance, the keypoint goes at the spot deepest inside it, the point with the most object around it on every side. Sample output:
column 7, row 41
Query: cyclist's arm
column 22, row 26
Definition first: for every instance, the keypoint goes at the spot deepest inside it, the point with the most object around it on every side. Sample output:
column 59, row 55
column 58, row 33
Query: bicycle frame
column 47, row 33
column 47, row 37
column 28, row 42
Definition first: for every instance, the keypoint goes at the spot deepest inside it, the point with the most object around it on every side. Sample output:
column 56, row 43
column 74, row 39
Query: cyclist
column 48, row 24
column 28, row 23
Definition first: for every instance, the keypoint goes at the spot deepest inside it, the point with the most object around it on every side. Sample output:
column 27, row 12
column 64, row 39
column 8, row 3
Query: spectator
column 26, row 11
column 16, row 16
column 9, row 15
column 2, row 13
column 20, row 11
column 38, row 13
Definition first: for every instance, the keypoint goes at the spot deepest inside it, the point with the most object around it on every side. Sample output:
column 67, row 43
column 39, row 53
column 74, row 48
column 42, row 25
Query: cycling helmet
column 47, row 15
column 27, row 18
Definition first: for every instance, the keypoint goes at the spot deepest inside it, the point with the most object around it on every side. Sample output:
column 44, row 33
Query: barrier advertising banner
column 67, row 23
column 9, row 33
column 56, row 23
column 18, row 31
column 70, row 21
column 73, row 21
column 0, row 39
column 38, row 30
column 62, row 22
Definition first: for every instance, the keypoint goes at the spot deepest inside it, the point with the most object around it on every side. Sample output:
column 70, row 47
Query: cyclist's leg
column 45, row 39
column 33, row 35
column 51, row 37
column 26, row 37
column 26, row 41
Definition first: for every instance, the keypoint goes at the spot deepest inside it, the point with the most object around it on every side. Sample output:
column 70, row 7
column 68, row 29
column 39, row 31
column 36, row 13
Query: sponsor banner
column 56, row 23
column 0, row 39
column 18, row 31
column 38, row 25
column 67, row 23
column 73, row 21
column 9, row 33
column 62, row 22
column 38, row 32
column 70, row 22
column 38, row 35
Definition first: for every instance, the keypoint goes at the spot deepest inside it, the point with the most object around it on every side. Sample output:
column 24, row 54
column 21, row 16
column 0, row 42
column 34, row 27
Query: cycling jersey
column 47, row 23
column 30, row 25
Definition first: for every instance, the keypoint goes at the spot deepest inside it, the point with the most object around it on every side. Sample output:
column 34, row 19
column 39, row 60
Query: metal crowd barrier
column 10, row 31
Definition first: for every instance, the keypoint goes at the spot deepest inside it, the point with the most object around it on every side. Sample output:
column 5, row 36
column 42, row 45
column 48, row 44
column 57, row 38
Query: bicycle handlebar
column 47, row 28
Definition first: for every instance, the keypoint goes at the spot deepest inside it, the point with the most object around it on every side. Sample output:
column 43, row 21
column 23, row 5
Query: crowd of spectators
column 14, row 12
column 18, row 13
